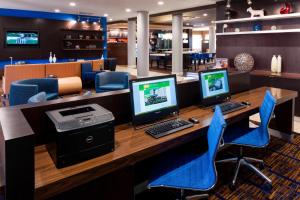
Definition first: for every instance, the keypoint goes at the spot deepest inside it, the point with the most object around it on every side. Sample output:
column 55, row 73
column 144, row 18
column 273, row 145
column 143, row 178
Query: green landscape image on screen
column 19, row 38
column 155, row 93
column 215, row 81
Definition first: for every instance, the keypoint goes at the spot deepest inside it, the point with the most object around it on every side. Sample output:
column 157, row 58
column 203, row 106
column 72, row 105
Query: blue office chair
column 190, row 171
column 111, row 81
column 252, row 137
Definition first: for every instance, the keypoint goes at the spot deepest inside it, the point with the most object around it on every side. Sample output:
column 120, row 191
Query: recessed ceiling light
column 160, row 3
column 72, row 4
column 110, row 19
column 205, row 14
column 128, row 10
column 105, row 15
column 57, row 10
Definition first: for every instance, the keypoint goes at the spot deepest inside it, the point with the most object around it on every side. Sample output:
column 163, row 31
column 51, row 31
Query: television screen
column 22, row 38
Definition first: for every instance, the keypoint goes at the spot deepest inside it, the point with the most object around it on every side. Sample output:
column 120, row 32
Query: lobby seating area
column 111, row 81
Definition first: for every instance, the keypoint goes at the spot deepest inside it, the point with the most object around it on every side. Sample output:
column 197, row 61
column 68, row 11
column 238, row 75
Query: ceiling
column 114, row 8
column 192, row 19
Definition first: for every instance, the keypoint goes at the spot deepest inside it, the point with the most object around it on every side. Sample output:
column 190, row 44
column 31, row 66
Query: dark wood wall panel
column 50, row 38
column 263, row 46
column 118, row 51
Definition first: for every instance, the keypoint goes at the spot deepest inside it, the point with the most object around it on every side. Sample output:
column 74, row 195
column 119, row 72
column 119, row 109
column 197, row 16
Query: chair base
column 192, row 197
column 246, row 161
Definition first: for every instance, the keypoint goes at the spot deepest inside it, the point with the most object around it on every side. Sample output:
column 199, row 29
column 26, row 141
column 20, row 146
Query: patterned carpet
column 282, row 165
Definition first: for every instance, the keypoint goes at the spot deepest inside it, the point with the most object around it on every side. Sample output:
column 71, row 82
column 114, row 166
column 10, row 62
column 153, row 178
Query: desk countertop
column 134, row 145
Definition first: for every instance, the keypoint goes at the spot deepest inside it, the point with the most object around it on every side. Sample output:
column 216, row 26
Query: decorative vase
column 274, row 64
column 54, row 59
column 257, row 27
column 50, row 58
column 244, row 62
column 279, row 64
column 287, row 9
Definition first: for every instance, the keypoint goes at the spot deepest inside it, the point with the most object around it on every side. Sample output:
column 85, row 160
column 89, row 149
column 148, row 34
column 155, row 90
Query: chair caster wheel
column 232, row 187
column 261, row 166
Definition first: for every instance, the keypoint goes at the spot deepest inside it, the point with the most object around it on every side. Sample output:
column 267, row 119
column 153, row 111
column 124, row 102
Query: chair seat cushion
column 40, row 97
column 245, row 136
column 51, row 96
column 186, row 171
column 112, row 86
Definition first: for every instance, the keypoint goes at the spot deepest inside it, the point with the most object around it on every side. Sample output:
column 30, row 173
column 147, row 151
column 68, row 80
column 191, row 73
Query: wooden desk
column 133, row 146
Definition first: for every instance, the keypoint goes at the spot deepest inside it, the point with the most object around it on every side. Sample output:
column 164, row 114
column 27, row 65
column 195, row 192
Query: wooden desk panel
column 134, row 145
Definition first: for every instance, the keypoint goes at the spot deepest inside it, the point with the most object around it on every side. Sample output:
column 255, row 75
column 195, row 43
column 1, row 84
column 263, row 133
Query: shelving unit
column 261, row 32
column 84, row 40
column 82, row 30
column 265, row 18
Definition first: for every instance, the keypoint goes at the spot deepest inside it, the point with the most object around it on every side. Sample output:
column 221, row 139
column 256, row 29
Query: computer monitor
column 214, row 86
column 153, row 98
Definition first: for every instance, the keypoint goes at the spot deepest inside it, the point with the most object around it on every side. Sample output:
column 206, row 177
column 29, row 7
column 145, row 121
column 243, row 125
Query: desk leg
column 283, row 123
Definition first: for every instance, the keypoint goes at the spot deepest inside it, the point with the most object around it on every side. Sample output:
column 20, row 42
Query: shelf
column 83, row 49
column 82, row 30
column 271, row 74
column 265, row 18
column 260, row 32
column 99, row 40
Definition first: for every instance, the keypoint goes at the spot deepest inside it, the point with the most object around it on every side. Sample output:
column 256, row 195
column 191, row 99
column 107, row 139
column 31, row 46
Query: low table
column 69, row 85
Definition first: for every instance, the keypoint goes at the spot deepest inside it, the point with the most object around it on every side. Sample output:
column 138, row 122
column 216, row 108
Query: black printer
column 80, row 133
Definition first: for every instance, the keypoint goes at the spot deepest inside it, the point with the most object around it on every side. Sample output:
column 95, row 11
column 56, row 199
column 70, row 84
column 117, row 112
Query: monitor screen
column 153, row 97
column 22, row 38
column 214, row 85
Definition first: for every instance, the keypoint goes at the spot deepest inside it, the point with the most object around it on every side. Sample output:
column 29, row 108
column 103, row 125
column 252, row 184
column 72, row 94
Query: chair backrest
column 20, row 93
column 86, row 67
column 266, row 111
column 215, row 133
column 113, row 77
column 48, row 85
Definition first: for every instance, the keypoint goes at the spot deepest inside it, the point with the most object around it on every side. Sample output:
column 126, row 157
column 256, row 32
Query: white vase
column 279, row 64
column 50, row 58
column 274, row 64
column 54, row 59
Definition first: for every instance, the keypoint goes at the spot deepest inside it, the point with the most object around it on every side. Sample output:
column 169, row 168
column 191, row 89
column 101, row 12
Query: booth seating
column 62, row 70
column 21, row 91
column 69, row 85
column 110, row 81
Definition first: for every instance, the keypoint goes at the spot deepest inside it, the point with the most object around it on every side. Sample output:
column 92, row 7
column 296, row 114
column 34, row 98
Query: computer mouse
column 194, row 120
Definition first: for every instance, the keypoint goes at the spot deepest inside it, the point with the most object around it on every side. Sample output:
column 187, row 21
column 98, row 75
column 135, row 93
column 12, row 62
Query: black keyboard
column 168, row 127
column 229, row 107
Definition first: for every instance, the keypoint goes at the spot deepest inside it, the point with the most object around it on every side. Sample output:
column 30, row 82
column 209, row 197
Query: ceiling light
column 160, row 3
column 57, row 10
column 205, row 14
column 94, row 23
column 72, row 4
column 110, row 19
column 105, row 15
column 83, row 22
column 128, row 10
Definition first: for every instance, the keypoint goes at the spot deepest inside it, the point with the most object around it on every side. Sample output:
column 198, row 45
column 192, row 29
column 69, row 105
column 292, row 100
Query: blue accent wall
column 22, row 20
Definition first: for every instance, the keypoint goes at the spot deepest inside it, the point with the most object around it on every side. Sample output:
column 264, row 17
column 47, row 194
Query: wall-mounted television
column 22, row 38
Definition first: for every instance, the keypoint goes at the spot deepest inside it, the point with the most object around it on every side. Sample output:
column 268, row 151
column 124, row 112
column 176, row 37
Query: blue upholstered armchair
column 87, row 73
column 110, row 81
column 21, row 91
